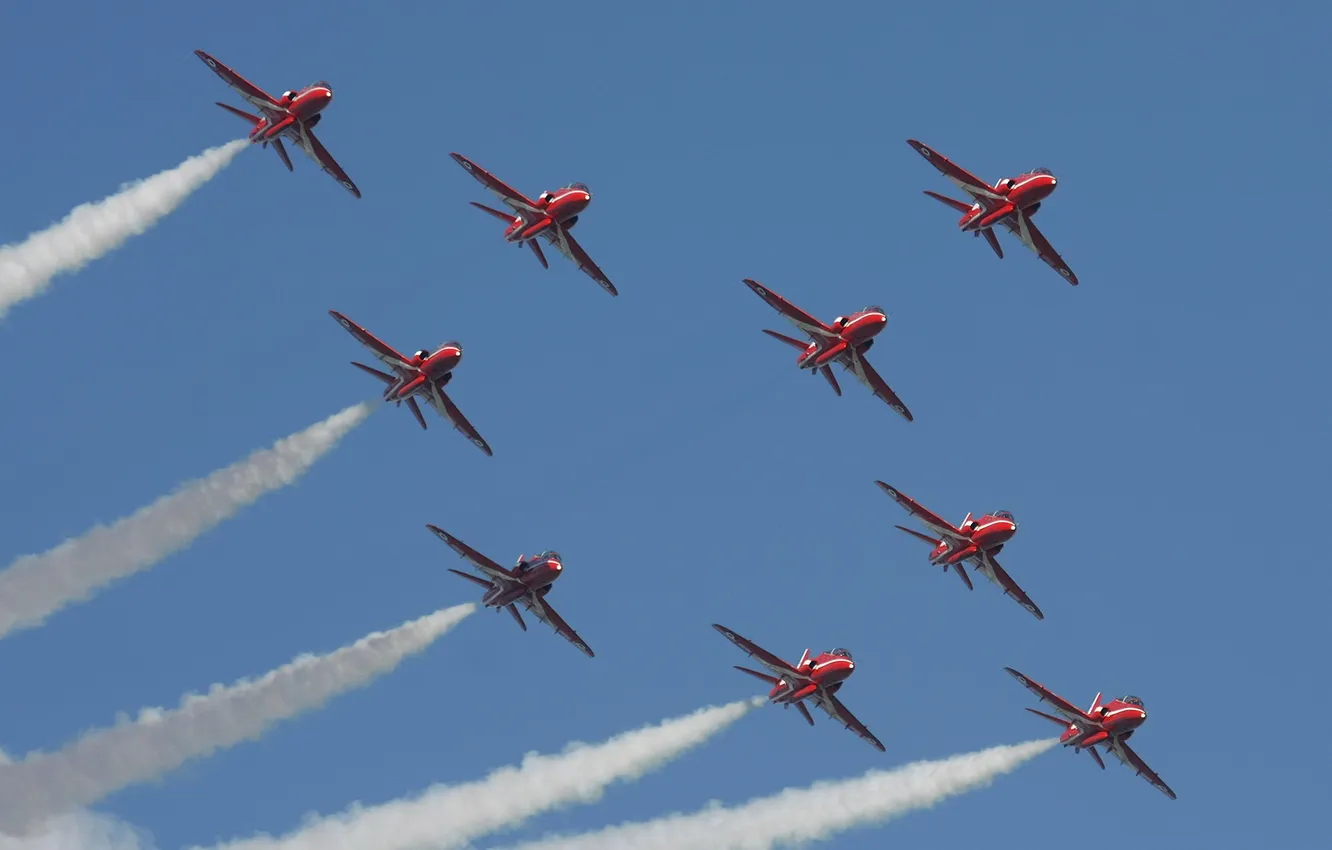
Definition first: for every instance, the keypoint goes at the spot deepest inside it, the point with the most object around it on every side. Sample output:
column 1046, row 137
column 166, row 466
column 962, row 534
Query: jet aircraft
column 816, row 678
column 526, row 584
column 975, row 540
column 1011, row 202
column 845, row 342
column 293, row 115
column 423, row 375
column 1109, row 724
column 551, row 216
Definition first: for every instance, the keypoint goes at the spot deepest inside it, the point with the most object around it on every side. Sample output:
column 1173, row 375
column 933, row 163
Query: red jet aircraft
column 1109, row 724
column 526, row 584
column 1011, row 201
column 845, row 342
column 421, row 375
column 293, row 116
column 550, row 216
column 976, row 540
column 816, row 678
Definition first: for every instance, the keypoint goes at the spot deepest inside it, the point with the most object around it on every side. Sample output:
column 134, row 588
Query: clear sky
column 1160, row 431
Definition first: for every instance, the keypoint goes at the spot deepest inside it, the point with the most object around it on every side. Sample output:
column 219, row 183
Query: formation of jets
column 1011, row 202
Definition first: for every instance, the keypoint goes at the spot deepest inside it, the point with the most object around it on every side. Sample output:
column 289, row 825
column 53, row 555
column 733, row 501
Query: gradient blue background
column 1159, row 431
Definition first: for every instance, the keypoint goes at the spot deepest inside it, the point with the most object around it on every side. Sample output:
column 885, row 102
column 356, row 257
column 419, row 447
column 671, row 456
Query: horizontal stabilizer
column 253, row 119
column 786, row 339
column 771, row 680
column 470, row 577
column 955, row 204
column 494, row 212
column 966, row 579
column 383, row 376
column 930, row 540
column 805, row 711
column 1051, row 718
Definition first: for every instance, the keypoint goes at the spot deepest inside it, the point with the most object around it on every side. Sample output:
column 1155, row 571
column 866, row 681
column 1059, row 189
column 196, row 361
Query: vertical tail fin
column 536, row 249
column 832, row 379
column 803, row 659
column 1096, row 703
column 965, row 520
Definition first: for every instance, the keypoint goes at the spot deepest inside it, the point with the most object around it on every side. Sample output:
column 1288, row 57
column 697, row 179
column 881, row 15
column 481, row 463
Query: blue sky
column 1159, row 431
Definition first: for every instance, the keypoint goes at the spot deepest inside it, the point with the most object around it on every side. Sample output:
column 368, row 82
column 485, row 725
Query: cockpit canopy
column 1047, row 172
column 550, row 555
column 873, row 308
column 840, row 653
column 582, row 187
column 320, row 84
column 1004, row 515
column 1132, row 700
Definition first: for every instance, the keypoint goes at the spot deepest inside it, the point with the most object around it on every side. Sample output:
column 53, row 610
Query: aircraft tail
column 513, row 609
column 253, row 119
column 955, row 204
column 536, row 249
column 832, row 379
column 473, row 579
column 805, row 711
column 771, row 680
column 803, row 659
column 916, row 534
column 992, row 239
column 281, row 151
column 794, row 343
column 383, row 376
column 1096, row 703
column 1050, row 717
column 496, row 213
column 966, row 519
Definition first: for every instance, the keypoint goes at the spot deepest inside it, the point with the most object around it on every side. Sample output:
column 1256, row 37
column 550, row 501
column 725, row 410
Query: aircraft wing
column 446, row 408
column 965, row 180
column 305, row 139
column 989, row 567
column 767, row 659
column 502, row 190
column 794, row 314
column 1125, row 754
column 1025, row 230
column 382, row 350
column 541, row 609
column 930, row 520
column 865, row 373
column 1070, row 711
column 564, row 242
column 253, row 95
column 837, row 711
column 475, row 558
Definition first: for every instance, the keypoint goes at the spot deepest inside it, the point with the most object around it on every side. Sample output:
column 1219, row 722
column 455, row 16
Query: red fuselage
column 988, row 533
column 534, row 577
column 301, row 106
column 1117, row 719
column 827, row 672
column 1024, row 192
column 429, row 369
column 559, row 207
column 854, row 332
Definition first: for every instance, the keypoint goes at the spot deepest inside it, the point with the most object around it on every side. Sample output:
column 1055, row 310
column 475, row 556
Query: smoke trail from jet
column 93, row 230
column 818, row 812
column 449, row 816
column 105, row 760
column 35, row 586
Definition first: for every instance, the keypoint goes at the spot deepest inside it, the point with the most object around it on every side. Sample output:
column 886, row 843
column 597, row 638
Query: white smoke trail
column 818, row 812
column 35, row 586
column 95, row 229
column 159, row 740
column 451, row 816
